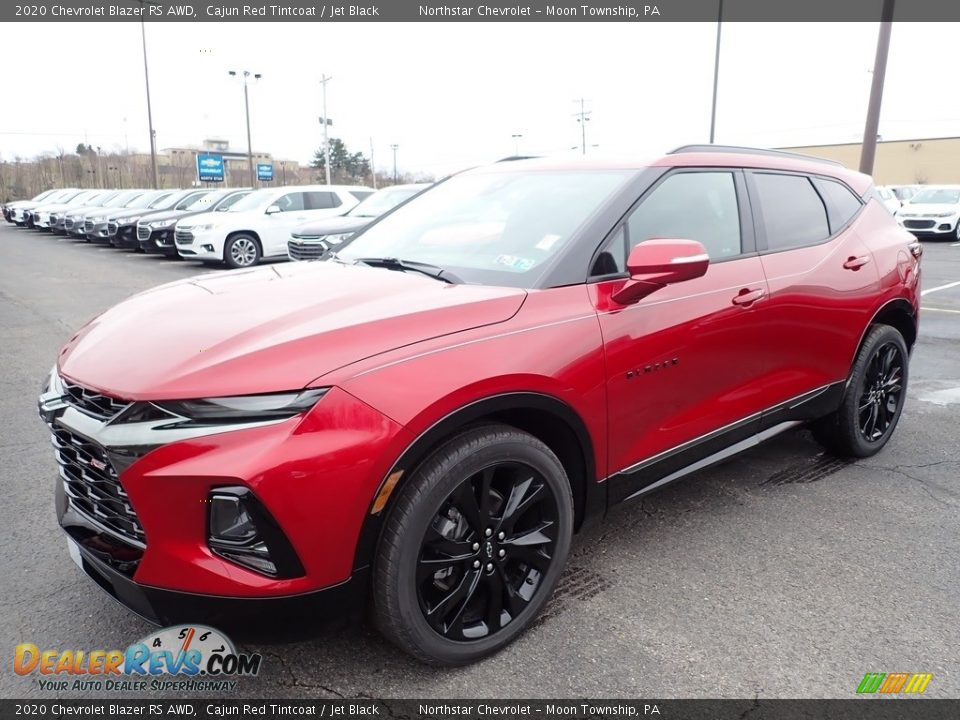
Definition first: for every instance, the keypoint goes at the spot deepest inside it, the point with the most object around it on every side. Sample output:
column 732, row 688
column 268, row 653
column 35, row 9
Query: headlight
column 946, row 214
column 98, row 218
column 244, row 408
column 337, row 239
column 202, row 228
column 162, row 223
column 127, row 221
column 52, row 383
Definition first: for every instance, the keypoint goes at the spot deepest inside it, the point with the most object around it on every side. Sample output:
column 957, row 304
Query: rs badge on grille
column 98, row 464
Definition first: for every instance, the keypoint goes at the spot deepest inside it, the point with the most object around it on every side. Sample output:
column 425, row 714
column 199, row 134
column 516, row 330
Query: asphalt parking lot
column 781, row 573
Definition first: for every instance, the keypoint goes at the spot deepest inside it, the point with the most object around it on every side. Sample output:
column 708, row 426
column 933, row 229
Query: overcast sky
column 452, row 94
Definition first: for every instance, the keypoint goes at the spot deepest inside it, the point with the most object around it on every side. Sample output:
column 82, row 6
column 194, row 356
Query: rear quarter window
column 842, row 204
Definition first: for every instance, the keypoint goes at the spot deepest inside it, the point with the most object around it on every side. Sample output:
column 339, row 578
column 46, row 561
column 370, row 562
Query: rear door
column 821, row 276
column 684, row 364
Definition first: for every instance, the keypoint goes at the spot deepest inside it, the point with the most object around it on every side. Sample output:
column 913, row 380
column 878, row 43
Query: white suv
column 259, row 225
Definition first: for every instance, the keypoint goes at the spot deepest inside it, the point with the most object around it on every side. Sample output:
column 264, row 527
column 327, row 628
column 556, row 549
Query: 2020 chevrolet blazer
column 428, row 416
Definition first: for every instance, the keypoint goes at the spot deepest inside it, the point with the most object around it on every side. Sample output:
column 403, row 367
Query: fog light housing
column 945, row 226
column 208, row 248
column 241, row 530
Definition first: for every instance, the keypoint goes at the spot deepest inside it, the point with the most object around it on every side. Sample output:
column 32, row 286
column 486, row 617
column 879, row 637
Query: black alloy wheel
column 472, row 545
column 881, row 392
column 486, row 551
column 874, row 397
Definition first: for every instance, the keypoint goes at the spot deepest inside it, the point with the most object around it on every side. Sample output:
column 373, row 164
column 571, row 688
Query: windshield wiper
column 391, row 263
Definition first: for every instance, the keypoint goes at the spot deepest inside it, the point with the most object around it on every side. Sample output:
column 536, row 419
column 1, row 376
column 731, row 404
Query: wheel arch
column 547, row 418
column 897, row 313
column 252, row 233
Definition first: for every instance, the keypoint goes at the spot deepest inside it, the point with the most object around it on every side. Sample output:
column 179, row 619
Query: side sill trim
column 729, row 451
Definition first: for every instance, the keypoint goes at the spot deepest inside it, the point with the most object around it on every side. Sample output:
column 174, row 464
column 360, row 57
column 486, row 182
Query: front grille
column 88, row 226
column 93, row 486
column 69, row 223
column 92, row 403
column 918, row 224
column 308, row 251
column 112, row 228
column 143, row 233
column 54, row 219
column 183, row 237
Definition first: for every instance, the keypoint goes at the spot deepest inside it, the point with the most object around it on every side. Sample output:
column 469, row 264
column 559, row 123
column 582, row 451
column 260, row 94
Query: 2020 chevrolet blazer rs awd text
column 428, row 416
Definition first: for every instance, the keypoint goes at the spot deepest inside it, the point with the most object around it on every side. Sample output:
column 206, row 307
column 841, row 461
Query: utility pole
column 516, row 143
column 246, row 104
column 868, row 150
column 373, row 168
column 582, row 117
column 146, row 80
column 326, row 121
column 394, row 148
column 716, row 73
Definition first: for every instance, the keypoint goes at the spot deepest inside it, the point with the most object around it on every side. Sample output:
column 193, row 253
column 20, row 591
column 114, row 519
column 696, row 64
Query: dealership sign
column 210, row 168
column 264, row 171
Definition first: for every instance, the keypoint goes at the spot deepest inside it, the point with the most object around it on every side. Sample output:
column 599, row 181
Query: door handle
column 855, row 263
column 747, row 296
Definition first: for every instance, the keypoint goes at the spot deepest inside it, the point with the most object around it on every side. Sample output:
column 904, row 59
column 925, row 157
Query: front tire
column 873, row 400
column 241, row 251
column 473, row 546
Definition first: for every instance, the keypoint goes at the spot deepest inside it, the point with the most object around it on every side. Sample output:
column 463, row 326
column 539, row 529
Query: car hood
column 268, row 329
column 332, row 226
column 155, row 215
column 129, row 213
column 226, row 218
column 928, row 208
column 88, row 210
column 54, row 207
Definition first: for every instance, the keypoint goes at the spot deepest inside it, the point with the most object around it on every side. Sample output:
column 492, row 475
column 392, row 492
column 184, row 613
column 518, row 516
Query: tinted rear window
column 793, row 213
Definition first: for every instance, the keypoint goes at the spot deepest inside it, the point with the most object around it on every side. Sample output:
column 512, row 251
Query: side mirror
column 273, row 209
column 654, row 264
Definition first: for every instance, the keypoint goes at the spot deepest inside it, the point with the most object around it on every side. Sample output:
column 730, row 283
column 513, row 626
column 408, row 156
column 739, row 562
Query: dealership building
column 923, row 161
column 180, row 163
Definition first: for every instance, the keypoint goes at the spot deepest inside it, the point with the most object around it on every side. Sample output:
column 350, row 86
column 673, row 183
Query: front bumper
column 142, row 527
column 41, row 221
column 929, row 226
column 97, row 231
column 169, row 607
column 125, row 236
column 192, row 245
column 159, row 241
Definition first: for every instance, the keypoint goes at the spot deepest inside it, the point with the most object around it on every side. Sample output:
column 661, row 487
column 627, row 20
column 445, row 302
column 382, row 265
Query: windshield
column 253, row 201
column 230, row 200
column 195, row 202
column 120, row 199
column 490, row 228
column 162, row 202
column 936, row 196
column 378, row 203
column 84, row 198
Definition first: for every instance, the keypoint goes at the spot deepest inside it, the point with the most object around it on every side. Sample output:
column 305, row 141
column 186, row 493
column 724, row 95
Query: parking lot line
column 940, row 287
column 938, row 309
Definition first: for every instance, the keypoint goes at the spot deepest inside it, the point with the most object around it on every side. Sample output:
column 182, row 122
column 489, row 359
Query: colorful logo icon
column 894, row 683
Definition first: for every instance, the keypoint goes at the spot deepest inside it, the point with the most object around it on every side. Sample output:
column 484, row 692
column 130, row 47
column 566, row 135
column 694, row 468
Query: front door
column 685, row 364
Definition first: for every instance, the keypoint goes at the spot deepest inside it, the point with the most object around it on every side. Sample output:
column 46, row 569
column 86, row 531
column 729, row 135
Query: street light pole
column 326, row 122
column 716, row 73
column 394, row 148
column 373, row 168
column 582, row 117
column 516, row 143
column 868, row 150
column 146, row 80
column 246, row 104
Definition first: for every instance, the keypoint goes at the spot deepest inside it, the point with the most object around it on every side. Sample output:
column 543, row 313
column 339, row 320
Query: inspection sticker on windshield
column 547, row 242
column 513, row 262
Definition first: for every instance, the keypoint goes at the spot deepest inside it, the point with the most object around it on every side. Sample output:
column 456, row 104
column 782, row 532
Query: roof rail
column 749, row 151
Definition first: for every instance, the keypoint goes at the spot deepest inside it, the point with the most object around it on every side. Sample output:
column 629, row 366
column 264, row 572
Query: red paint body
column 402, row 352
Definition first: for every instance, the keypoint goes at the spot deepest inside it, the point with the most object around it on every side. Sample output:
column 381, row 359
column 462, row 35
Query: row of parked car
column 235, row 226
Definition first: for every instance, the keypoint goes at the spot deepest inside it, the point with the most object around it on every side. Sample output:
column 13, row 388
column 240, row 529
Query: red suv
column 431, row 414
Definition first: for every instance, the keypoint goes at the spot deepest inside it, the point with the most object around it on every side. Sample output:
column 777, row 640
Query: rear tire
column 473, row 546
column 873, row 399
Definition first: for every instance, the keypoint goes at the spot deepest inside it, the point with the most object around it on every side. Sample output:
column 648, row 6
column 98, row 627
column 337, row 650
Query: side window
column 793, row 213
column 842, row 204
column 291, row 202
column 322, row 200
column 699, row 206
